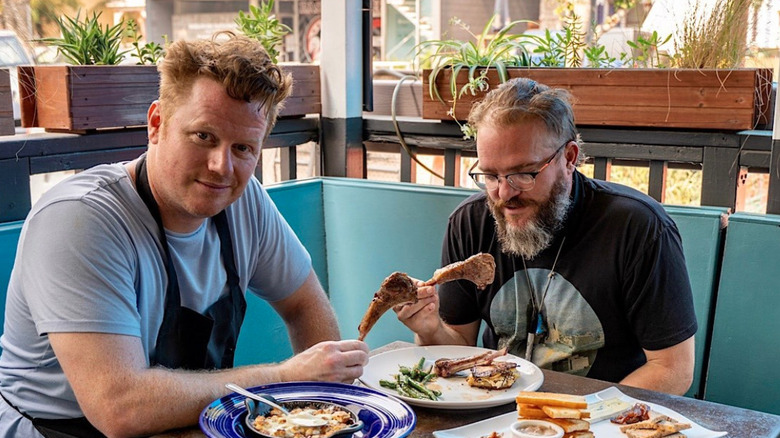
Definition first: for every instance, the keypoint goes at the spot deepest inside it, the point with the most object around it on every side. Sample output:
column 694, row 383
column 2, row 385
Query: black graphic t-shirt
column 620, row 284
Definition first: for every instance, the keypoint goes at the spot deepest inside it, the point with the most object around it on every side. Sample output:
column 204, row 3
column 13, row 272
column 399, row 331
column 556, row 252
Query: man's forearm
column 444, row 335
column 312, row 327
column 159, row 399
column 657, row 377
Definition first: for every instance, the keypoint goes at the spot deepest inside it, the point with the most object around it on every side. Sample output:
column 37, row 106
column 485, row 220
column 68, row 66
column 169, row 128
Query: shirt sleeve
column 659, row 301
column 458, row 299
column 77, row 271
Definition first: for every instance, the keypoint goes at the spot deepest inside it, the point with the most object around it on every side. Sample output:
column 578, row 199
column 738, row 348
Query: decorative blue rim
column 383, row 416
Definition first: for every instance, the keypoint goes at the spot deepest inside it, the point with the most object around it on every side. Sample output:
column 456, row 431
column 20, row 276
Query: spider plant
column 478, row 56
column 261, row 24
column 87, row 42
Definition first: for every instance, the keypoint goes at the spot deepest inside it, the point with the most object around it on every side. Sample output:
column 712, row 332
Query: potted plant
column 93, row 92
column 677, row 91
column 261, row 24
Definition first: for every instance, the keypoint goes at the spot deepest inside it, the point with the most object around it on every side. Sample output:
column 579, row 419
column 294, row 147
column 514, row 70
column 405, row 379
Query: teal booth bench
column 744, row 368
column 360, row 231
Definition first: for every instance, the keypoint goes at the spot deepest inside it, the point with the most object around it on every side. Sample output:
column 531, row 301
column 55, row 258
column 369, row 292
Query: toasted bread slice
column 570, row 425
column 656, row 427
column 559, row 412
column 647, row 424
column 525, row 410
column 579, row 434
column 552, row 399
column 643, row 433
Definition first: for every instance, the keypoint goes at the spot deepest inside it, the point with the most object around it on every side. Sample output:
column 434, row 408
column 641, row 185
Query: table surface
column 738, row 422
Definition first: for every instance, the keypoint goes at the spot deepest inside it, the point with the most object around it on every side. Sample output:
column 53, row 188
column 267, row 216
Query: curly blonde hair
column 239, row 63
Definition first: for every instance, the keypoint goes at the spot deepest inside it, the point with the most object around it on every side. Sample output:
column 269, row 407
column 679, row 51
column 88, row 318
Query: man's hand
column 421, row 317
column 334, row 361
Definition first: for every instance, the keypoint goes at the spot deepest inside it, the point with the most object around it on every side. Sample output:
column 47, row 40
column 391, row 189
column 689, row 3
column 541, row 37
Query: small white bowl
column 535, row 429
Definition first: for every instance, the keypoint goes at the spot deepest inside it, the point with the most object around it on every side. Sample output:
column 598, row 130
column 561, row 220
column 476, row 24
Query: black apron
column 187, row 339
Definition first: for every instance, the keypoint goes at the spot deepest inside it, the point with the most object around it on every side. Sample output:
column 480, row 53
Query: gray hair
column 522, row 99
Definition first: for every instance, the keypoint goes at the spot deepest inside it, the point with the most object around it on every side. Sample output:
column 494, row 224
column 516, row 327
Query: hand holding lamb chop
column 399, row 288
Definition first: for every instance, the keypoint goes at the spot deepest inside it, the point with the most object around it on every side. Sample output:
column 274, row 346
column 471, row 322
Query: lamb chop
column 447, row 367
column 396, row 289
column 480, row 269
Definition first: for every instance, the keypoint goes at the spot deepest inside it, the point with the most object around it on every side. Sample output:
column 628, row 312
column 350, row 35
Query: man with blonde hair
column 127, row 294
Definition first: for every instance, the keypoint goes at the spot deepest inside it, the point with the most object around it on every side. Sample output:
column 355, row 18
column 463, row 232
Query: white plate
column 602, row 429
column 456, row 393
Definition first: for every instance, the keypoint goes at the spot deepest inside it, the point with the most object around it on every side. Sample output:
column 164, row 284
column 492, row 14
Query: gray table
column 740, row 423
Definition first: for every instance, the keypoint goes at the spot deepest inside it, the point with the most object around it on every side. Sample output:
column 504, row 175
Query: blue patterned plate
column 383, row 416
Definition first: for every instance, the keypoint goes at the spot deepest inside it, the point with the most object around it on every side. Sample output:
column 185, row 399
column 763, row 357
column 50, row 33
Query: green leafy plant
column 597, row 57
column 562, row 49
column 261, row 24
column 87, row 42
column 486, row 51
column 149, row 53
column 647, row 53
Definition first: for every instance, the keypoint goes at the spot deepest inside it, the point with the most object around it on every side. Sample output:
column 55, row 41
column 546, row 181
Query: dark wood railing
column 723, row 157
column 23, row 155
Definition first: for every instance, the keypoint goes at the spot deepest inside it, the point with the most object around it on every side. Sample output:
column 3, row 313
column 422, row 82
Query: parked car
column 13, row 53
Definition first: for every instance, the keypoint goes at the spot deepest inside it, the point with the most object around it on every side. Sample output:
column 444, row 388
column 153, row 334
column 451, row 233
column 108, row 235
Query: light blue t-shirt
column 90, row 260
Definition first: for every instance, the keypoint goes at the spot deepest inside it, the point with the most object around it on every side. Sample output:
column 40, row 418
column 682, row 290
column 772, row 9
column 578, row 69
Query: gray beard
column 537, row 235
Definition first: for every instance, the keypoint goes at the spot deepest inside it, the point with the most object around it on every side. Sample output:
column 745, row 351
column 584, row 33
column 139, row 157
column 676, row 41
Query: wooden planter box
column 408, row 102
column 81, row 98
column 306, row 97
column 665, row 98
column 85, row 97
column 6, row 104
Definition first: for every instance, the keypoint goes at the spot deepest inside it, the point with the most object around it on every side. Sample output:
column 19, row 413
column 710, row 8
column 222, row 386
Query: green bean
column 420, row 387
column 388, row 384
column 410, row 381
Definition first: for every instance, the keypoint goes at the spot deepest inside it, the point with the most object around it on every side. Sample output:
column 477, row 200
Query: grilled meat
column 480, row 269
column 497, row 375
column 447, row 367
column 396, row 289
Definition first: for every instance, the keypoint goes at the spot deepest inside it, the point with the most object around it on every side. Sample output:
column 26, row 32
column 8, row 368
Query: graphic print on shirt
column 573, row 331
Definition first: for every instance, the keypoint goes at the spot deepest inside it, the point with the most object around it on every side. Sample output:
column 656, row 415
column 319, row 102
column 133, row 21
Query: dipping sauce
column 527, row 428
column 537, row 430
column 275, row 424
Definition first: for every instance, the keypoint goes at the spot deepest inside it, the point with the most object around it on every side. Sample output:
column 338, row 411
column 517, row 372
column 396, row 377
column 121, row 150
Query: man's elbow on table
column 669, row 370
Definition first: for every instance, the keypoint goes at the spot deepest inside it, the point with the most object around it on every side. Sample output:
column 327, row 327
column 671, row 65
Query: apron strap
column 188, row 339
column 61, row 428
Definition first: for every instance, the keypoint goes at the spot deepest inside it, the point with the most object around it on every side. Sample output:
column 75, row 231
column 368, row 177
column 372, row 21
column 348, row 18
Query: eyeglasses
column 522, row 181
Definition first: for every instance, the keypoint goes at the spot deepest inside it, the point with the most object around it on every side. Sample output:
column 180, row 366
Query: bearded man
column 590, row 275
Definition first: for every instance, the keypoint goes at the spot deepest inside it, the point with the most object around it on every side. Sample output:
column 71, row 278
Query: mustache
column 515, row 202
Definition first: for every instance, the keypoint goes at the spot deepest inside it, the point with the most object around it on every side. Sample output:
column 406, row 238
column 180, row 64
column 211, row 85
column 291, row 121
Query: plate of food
column 451, row 377
column 382, row 416
column 641, row 419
